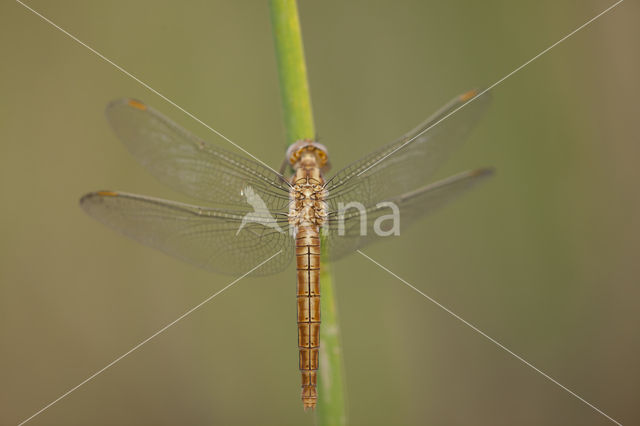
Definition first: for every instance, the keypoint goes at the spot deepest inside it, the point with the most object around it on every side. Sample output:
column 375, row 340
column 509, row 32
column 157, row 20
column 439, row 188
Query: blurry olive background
column 543, row 257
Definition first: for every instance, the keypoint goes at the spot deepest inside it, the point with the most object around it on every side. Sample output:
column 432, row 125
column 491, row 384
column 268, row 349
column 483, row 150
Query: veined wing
column 218, row 240
column 344, row 239
column 407, row 163
column 188, row 163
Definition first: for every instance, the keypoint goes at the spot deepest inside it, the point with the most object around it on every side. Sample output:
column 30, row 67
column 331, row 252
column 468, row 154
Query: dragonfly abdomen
column 308, row 295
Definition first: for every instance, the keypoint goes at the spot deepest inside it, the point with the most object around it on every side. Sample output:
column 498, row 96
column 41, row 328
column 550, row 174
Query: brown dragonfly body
column 307, row 214
column 256, row 221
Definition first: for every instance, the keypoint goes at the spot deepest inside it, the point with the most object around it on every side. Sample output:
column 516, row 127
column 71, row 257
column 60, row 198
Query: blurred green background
column 544, row 257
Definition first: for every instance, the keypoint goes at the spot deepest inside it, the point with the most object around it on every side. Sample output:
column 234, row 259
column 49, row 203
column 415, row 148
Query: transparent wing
column 188, row 163
column 407, row 163
column 218, row 240
column 342, row 240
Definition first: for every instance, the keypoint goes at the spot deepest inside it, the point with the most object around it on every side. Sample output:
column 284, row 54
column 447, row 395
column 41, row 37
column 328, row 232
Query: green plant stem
column 292, row 71
column 331, row 398
column 298, row 120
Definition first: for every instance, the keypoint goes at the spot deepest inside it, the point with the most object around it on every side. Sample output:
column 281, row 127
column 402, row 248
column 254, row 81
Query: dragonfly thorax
column 307, row 193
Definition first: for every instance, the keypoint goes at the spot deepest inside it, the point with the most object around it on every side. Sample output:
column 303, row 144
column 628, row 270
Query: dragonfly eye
column 296, row 149
column 322, row 156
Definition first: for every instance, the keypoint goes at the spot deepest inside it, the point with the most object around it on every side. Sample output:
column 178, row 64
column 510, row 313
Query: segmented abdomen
column 308, row 294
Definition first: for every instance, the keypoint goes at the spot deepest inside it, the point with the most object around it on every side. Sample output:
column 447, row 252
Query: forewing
column 189, row 164
column 411, row 206
column 407, row 163
column 213, row 239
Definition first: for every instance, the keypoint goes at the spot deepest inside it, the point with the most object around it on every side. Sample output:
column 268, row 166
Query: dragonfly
column 244, row 211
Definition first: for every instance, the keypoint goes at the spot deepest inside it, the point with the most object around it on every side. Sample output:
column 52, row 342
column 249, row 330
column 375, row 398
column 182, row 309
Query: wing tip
column 474, row 93
column 483, row 172
column 468, row 95
column 107, row 193
column 134, row 103
column 97, row 194
column 127, row 102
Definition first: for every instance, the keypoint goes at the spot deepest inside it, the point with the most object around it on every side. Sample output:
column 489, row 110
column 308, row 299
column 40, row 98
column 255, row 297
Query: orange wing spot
column 107, row 194
column 479, row 172
column 137, row 104
column 470, row 94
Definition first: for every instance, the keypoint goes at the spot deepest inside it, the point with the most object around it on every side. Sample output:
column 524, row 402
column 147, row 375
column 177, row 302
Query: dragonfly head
column 297, row 150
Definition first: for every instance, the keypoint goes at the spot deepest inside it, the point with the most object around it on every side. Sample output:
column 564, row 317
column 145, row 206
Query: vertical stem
column 292, row 70
column 298, row 120
column 331, row 396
